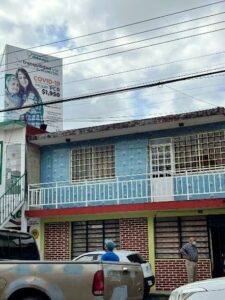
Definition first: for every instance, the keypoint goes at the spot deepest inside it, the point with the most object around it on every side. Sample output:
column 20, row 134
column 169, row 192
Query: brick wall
column 134, row 235
column 171, row 273
column 57, row 243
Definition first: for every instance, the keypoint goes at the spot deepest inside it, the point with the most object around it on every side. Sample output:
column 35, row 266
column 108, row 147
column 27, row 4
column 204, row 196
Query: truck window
column 17, row 246
column 29, row 249
column 14, row 246
column 4, row 254
column 136, row 258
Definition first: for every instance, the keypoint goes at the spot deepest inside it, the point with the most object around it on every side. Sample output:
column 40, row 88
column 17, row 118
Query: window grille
column 161, row 160
column 199, row 152
column 90, row 235
column 93, row 163
column 172, row 233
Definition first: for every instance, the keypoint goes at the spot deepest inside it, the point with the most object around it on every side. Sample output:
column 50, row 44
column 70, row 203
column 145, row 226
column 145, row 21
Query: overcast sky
column 164, row 53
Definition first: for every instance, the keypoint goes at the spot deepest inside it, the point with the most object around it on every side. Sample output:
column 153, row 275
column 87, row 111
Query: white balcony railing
column 138, row 188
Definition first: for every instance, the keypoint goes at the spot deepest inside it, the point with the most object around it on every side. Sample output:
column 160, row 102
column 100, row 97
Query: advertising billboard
column 33, row 78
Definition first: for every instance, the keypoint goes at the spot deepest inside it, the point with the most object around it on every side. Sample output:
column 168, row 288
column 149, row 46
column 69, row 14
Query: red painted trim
column 123, row 208
column 30, row 130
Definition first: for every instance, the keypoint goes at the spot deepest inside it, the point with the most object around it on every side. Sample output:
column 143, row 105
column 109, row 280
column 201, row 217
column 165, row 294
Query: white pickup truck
column 47, row 280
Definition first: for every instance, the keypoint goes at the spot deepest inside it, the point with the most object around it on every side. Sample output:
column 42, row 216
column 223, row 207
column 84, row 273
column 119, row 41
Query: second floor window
column 199, row 152
column 93, row 163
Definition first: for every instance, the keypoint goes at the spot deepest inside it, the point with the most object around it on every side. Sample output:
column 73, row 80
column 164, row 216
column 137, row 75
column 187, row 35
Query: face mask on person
column 194, row 243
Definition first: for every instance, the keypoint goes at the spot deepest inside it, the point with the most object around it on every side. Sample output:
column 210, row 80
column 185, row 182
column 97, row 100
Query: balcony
column 138, row 188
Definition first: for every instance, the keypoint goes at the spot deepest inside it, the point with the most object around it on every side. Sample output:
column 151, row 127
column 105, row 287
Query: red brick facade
column 57, row 241
column 134, row 235
column 171, row 273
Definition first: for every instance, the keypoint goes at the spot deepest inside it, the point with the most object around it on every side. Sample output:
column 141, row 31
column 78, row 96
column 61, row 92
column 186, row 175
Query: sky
column 170, row 46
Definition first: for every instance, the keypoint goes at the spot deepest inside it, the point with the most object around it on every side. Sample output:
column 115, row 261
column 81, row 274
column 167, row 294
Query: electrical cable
column 143, row 68
column 138, row 48
column 186, row 94
column 124, row 36
column 123, row 26
column 122, row 90
column 147, row 67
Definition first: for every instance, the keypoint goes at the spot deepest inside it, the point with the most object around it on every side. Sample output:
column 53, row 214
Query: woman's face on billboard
column 23, row 79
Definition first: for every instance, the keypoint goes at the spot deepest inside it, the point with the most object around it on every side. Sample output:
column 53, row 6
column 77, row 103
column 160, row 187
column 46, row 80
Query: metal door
column 161, row 170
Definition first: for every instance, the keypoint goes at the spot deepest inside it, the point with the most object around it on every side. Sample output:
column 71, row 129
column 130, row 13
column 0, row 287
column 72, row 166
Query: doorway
column 161, row 170
column 217, row 233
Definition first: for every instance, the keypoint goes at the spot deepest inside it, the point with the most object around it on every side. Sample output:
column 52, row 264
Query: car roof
column 208, row 284
column 121, row 253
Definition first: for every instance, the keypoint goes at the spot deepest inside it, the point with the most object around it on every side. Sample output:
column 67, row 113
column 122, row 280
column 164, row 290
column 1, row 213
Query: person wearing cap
column 109, row 255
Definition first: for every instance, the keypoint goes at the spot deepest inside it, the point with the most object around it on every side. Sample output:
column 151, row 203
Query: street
column 158, row 296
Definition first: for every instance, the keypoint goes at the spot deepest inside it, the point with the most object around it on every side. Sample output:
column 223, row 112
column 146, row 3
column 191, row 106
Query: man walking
column 190, row 253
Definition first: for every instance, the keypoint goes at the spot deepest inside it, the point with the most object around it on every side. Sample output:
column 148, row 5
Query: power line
column 143, row 68
column 121, row 90
column 123, row 26
column 126, row 44
column 133, row 49
column 142, row 47
column 150, row 94
column 186, row 94
column 166, row 93
column 125, row 36
column 147, row 67
column 143, row 40
column 96, row 118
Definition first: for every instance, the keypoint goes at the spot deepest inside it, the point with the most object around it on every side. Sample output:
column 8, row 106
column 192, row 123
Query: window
column 92, row 257
column 17, row 246
column 172, row 233
column 136, row 258
column 14, row 246
column 93, row 163
column 89, row 236
column 199, row 152
column 29, row 249
column 4, row 249
column 161, row 160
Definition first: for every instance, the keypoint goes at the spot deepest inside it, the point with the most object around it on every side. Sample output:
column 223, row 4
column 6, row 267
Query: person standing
column 33, row 115
column 190, row 252
column 109, row 255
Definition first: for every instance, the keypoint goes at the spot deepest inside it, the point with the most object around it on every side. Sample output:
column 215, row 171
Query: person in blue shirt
column 109, row 255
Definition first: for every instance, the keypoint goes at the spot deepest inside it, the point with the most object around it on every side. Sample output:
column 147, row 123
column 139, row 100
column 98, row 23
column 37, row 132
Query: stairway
column 12, row 200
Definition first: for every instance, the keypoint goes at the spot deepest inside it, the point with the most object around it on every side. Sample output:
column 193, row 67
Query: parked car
column 125, row 256
column 201, row 290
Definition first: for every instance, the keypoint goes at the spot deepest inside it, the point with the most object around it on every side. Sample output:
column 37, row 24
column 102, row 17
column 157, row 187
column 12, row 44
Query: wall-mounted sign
column 35, row 233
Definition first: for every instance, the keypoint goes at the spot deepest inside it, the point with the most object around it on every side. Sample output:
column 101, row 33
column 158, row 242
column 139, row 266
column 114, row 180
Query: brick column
column 134, row 235
column 57, row 241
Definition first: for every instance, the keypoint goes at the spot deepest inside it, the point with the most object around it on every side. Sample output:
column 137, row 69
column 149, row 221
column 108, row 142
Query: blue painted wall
column 55, row 164
column 131, row 159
